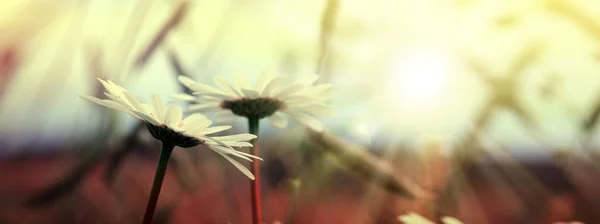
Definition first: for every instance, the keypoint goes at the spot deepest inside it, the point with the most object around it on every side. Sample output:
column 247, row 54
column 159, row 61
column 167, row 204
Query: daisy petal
column 120, row 100
column 264, row 79
column 227, row 151
column 270, row 86
column 226, row 87
column 320, row 89
column 239, row 144
column 450, row 220
column 221, row 96
column 226, row 148
column 173, row 116
column 196, row 86
column 111, row 87
column 288, row 90
column 238, row 137
column 250, row 93
column 212, row 99
column 214, row 129
column 158, row 108
column 312, row 109
column 309, row 80
column 241, row 82
column 307, row 120
column 194, row 129
column 147, row 118
column 240, row 167
column 194, row 120
column 225, row 116
column 182, row 97
column 413, row 218
column 110, row 104
column 203, row 107
column 298, row 98
column 278, row 121
column 135, row 102
column 243, row 155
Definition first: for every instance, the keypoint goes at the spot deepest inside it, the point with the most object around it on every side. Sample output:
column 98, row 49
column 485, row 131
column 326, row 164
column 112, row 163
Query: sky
column 398, row 66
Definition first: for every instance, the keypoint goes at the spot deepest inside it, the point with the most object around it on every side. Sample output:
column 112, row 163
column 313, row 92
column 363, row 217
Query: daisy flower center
column 256, row 107
column 164, row 133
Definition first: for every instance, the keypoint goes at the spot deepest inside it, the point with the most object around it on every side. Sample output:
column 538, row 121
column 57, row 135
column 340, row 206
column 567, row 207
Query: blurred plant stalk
column 356, row 160
column 295, row 184
column 328, row 21
column 162, row 34
column 98, row 69
column 9, row 63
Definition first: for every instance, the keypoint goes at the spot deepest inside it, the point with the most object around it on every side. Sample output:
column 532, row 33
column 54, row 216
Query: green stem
column 295, row 184
column 254, row 125
column 161, row 169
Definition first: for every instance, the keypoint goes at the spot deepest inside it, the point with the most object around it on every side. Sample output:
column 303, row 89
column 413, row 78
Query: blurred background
column 490, row 106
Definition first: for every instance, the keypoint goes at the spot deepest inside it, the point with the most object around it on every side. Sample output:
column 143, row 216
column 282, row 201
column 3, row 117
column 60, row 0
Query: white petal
column 316, row 108
column 135, row 102
column 239, row 144
column 307, row 120
column 234, row 152
column 305, row 104
column 288, row 90
column 195, row 120
column 182, row 97
column 237, row 137
column 270, row 86
column 226, row 87
column 203, row 107
column 236, row 164
column 413, row 218
column 250, row 93
column 264, row 78
column 225, row 116
column 221, row 96
column 241, row 82
column 450, row 220
column 227, row 151
column 112, row 87
column 310, row 79
column 195, row 129
column 211, row 141
column 147, row 118
column 198, row 87
column 278, row 120
column 320, row 89
column 119, row 99
column 298, row 98
column 110, row 104
column 173, row 116
column 207, row 99
column 214, row 129
column 158, row 108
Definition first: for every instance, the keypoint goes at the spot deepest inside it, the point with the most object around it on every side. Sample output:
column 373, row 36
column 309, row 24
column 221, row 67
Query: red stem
column 253, row 124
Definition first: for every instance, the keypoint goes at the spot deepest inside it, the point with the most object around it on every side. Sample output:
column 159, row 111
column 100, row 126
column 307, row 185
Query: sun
column 419, row 76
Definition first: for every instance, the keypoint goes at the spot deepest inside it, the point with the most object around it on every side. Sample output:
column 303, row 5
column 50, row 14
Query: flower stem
column 161, row 169
column 295, row 184
column 253, row 125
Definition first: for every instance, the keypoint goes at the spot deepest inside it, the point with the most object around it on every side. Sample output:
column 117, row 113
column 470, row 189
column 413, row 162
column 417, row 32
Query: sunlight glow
column 363, row 132
column 420, row 76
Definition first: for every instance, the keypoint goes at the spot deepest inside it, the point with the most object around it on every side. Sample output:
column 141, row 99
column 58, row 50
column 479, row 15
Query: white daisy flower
column 300, row 100
column 414, row 218
column 167, row 125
